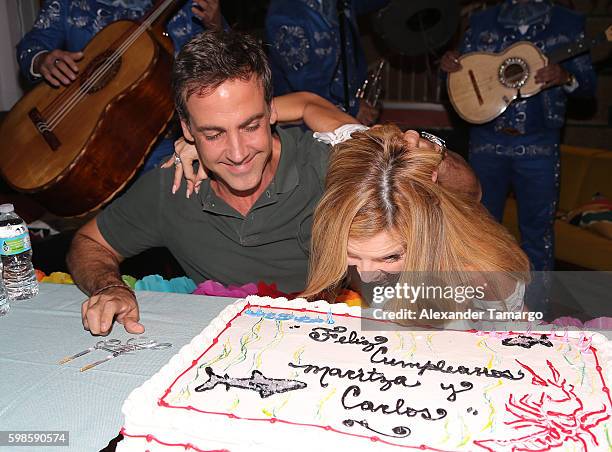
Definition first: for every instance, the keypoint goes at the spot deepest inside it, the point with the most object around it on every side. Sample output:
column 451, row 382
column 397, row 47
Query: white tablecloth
column 36, row 393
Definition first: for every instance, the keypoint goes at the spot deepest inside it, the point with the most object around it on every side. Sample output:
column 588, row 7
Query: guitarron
column 73, row 148
column 488, row 82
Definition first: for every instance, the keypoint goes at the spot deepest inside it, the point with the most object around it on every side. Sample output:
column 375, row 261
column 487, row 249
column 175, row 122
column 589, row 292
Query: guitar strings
column 83, row 90
column 123, row 39
column 61, row 100
column 58, row 101
column 90, row 83
column 101, row 71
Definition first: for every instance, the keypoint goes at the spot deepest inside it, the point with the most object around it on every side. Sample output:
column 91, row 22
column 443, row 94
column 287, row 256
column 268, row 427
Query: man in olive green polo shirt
column 251, row 219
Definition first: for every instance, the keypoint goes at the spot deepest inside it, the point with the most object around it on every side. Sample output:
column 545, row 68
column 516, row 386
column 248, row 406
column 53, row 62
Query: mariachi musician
column 520, row 148
column 64, row 27
column 306, row 50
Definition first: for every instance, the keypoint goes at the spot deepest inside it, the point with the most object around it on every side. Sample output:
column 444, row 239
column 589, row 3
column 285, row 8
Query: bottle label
column 15, row 245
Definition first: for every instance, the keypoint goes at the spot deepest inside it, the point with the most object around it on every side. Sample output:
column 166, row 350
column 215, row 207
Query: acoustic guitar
column 73, row 148
column 488, row 82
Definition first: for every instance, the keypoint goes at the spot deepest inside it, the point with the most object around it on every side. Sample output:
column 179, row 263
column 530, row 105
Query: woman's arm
column 319, row 114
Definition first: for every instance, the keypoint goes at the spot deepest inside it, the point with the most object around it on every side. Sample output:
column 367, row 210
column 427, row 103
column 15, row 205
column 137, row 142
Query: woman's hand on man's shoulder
column 185, row 154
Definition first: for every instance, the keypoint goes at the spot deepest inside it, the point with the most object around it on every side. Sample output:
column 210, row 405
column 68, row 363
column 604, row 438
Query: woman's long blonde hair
column 376, row 183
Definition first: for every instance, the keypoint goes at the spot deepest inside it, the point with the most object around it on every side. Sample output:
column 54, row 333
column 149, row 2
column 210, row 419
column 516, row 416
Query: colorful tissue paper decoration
column 56, row 278
column 156, row 283
column 270, row 290
column 216, row 289
column 262, row 289
column 129, row 280
column 350, row 297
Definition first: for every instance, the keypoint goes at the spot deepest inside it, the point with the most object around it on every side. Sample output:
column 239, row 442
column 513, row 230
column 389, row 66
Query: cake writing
column 383, row 408
column 284, row 316
column 373, row 346
column 363, row 376
column 441, row 366
column 257, row 382
column 466, row 385
column 323, row 334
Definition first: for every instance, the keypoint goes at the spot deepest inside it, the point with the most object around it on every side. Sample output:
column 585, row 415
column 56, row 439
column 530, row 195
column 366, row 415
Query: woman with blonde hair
column 383, row 211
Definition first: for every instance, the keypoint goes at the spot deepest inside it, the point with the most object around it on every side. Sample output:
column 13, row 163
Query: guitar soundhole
column 513, row 73
column 100, row 72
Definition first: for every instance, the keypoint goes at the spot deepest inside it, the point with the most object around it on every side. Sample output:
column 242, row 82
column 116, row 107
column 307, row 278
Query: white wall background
column 16, row 18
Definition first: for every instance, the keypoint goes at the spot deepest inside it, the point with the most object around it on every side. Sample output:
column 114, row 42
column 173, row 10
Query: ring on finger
column 56, row 61
column 177, row 159
column 436, row 141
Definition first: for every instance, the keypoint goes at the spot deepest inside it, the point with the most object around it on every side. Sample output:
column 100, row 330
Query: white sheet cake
column 277, row 375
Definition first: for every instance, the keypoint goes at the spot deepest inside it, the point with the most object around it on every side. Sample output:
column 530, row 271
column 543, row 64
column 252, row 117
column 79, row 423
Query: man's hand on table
column 99, row 312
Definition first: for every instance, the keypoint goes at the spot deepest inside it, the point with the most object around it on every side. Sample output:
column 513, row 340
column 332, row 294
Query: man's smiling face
column 231, row 129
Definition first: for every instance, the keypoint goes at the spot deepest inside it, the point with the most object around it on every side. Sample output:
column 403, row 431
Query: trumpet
column 371, row 89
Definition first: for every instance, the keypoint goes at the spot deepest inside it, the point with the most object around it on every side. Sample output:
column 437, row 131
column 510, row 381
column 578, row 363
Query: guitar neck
column 161, row 12
column 576, row 48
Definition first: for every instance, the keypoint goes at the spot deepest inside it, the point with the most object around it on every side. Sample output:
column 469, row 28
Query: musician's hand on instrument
column 209, row 12
column 99, row 311
column 367, row 115
column 552, row 75
column 450, row 61
column 58, row 66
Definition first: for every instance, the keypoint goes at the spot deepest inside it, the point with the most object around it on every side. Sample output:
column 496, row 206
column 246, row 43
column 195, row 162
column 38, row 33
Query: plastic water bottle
column 4, row 301
column 16, row 251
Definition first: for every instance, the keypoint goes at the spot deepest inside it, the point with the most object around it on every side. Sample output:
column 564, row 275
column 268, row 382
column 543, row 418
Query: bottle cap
column 6, row 208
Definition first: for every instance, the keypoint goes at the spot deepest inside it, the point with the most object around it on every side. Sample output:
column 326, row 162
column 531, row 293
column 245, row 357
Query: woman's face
column 382, row 252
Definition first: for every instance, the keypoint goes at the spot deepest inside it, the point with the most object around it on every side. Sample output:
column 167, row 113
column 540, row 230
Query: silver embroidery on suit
column 48, row 15
column 292, row 45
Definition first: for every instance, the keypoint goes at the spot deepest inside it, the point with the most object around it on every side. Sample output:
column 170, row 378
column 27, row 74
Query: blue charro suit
column 520, row 148
column 304, row 48
column 71, row 24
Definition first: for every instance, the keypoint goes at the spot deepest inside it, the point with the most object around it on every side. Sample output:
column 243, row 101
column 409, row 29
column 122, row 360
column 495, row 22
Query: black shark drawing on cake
column 257, row 382
column 527, row 341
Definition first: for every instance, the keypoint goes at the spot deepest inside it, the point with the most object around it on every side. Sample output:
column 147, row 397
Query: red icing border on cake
column 215, row 340
column 150, row 438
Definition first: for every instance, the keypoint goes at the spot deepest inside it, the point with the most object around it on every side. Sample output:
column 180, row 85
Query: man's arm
column 39, row 52
column 454, row 173
column 94, row 266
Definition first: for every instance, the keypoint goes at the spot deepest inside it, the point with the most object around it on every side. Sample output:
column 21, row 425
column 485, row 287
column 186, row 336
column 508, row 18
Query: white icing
column 268, row 346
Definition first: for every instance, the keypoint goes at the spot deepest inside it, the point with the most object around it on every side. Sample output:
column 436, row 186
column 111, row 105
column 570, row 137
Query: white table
column 37, row 393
